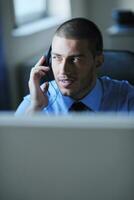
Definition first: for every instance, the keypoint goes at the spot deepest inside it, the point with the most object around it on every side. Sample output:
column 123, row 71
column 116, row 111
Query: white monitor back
column 67, row 158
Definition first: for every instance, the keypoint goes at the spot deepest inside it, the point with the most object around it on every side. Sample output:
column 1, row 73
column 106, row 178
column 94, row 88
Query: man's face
column 74, row 66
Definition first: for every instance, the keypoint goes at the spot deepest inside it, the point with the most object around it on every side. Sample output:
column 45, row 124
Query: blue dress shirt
column 107, row 95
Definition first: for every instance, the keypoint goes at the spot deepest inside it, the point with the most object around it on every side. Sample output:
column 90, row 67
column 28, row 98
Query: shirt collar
column 92, row 99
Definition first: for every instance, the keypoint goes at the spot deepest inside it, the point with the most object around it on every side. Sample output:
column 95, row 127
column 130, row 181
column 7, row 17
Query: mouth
column 66, row 82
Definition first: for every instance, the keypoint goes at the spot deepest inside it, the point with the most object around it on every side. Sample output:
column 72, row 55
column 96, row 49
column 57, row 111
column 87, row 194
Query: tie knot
column 79, row 107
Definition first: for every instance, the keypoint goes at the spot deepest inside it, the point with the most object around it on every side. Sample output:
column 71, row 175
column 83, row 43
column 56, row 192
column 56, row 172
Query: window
column 61, row 10
column 28, row 10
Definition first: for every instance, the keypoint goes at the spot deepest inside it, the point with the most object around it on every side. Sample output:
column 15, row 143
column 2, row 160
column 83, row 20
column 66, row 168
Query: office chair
column 118, row 64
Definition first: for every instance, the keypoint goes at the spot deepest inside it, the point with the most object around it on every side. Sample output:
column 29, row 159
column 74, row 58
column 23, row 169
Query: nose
column 65, row 67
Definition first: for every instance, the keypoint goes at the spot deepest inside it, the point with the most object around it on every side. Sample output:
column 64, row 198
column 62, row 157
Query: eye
column 76, row 59
column 56, row 58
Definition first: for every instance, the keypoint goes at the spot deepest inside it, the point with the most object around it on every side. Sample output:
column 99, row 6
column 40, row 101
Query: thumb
column 44, row 87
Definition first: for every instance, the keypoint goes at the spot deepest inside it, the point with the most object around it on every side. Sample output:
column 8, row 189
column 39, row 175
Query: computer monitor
column 67, row 157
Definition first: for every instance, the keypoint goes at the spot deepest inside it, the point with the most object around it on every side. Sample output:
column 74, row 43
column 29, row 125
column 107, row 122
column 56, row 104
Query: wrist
column 34, row 108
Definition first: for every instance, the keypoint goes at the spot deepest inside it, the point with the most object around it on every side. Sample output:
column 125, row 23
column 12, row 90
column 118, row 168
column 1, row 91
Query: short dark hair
column 81, row 28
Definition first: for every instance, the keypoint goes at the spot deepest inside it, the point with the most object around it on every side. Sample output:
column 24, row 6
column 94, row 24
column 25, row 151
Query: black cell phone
column 48, row 57
column 49, row 76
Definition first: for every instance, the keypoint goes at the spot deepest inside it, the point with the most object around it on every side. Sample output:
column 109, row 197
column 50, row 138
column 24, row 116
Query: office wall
column 101, row 13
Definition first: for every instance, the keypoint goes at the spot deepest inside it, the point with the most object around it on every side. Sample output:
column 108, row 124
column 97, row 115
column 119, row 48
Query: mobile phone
column 48, row 57
column 49, row 76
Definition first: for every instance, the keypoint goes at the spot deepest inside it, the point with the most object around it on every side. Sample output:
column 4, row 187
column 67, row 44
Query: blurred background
column 27, row 28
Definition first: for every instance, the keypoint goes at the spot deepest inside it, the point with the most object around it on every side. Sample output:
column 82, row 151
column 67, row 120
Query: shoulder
column 109, row 83
column 118, row 93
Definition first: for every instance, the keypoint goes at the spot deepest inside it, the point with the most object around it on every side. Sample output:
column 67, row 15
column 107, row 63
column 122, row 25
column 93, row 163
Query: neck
column 85, row 90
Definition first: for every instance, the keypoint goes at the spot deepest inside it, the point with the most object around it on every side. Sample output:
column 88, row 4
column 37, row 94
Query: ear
column 99, row 59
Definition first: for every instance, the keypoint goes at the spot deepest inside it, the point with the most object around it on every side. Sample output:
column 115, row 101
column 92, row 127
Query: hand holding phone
column 38, row 93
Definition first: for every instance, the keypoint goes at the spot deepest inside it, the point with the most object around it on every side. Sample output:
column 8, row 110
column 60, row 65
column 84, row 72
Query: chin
column 68, row 91
column 65, row 92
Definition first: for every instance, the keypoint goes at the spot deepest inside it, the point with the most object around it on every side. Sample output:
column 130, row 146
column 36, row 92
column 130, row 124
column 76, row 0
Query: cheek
column 54, row 68
column 87, row 73
column 55, row 73
column 85, row 69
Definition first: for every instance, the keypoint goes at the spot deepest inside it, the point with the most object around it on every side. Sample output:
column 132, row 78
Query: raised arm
column 38, row 94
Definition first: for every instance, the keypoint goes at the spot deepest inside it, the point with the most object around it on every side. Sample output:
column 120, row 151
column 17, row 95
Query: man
column 77, row 51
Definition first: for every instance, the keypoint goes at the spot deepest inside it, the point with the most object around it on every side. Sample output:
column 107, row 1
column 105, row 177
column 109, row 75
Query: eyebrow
column 73, row 55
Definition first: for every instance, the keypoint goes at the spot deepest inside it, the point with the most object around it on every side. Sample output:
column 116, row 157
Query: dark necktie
column 79, row 107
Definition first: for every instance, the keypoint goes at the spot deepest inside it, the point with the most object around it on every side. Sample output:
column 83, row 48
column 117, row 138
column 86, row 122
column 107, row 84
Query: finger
column 38, row 73
column 45, row 86
column 41, row 68
column 41, row 61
